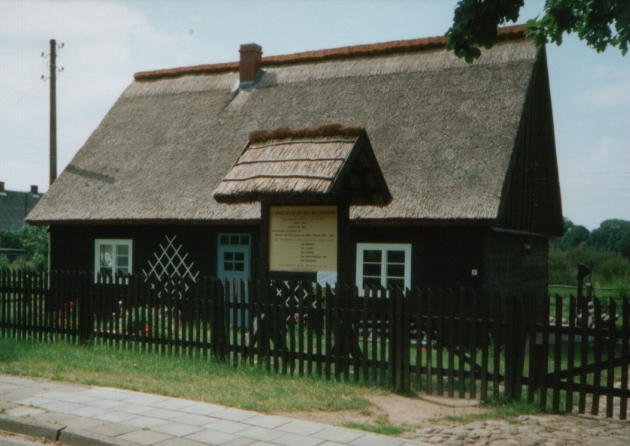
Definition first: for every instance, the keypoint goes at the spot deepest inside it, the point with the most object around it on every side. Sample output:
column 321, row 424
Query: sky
column 105, row 42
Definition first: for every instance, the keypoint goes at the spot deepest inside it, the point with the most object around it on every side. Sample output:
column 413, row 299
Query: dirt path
column 448, row 421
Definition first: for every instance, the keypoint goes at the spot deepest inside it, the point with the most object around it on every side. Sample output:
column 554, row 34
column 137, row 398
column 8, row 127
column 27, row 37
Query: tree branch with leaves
column 599, row 23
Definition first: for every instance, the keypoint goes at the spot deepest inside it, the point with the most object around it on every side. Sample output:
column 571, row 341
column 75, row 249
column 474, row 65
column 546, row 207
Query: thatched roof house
column 458, row 144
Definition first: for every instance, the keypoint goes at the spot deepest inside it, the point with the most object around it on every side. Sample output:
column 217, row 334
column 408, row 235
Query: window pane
column 228, row 266
column 225, row 240
column 234, row 239
column 396, row 270
column 239, row 256
column 123, row 271
column 396, row 256
column 244, row 239
column 239, row 266
column 371, row 256
column 371, row 269
column 122, row 250
column 228, row 256
column 106, row 257
column 122, row 261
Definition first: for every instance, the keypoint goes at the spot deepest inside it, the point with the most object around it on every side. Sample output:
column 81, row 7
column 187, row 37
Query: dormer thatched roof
column 314, row 164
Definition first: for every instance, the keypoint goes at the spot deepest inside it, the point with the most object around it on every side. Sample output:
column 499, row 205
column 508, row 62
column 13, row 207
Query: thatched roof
column 315, row 164
column 443, row 133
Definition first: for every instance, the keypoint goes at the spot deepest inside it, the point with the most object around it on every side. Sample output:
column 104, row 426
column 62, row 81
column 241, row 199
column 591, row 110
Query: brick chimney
column 1, row 186
column 251, row 59
column 34, row 189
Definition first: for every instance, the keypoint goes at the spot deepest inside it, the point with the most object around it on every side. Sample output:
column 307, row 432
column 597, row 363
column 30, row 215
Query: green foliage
column 608, row 269
column 33, row 240
column 599, row 23
column 612, row 236
column 574, row 236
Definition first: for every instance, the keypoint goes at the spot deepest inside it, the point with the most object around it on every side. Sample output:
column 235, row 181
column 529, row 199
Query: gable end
column 531, row 193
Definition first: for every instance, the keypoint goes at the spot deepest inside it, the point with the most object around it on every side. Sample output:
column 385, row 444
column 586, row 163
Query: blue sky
column 107, row 41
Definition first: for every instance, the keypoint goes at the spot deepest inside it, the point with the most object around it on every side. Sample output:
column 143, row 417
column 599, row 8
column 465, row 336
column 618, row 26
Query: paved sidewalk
column 82, row 415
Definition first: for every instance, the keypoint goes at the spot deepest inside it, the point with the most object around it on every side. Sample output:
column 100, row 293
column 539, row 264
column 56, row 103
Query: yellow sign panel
column 303, row 238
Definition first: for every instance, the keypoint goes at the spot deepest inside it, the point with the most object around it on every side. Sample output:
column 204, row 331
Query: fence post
column 514, row 350
column 85, row 307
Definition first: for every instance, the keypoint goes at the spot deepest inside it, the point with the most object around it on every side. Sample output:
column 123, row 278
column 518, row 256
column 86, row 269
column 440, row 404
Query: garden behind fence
column 567, row 354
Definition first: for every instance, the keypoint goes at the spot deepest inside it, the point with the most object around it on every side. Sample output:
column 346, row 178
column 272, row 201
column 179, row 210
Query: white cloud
column 105, row 42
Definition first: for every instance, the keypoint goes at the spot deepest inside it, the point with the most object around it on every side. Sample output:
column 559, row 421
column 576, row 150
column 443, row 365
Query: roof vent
column 251, row 60
column 34, row 189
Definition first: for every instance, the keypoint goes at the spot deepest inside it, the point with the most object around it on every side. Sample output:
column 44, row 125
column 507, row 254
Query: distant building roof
column 15, row 206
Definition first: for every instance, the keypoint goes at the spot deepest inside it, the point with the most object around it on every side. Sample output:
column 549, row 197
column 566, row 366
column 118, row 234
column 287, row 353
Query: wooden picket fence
column 566, row 354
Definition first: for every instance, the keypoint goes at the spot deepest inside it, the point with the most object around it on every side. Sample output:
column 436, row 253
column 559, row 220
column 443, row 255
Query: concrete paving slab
column 88, row 411
column 203, row 409
column 144, row 437
column 245, row 442
column 114, row 429
column 237, row 414
column 25, row 412
column 145, row 422
column 295, row 439
column 195, row 420
column 212, row 437
column 80, row 423
column 338, row 434
column 114, row 417
column 301, row 427
column 106, row 404
column 229, row 427
column 165, row 414
column 177, row 429
column 376, row 440
column 174, row 404
column 110, row 394
column 177, row 441
column 144, row 399
column 268, row 421
column 260, row 433
column 134, row 408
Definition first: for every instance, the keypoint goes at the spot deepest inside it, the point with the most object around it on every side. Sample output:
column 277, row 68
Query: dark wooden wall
column 72, row 247
column 441, row 256
column 515, row 264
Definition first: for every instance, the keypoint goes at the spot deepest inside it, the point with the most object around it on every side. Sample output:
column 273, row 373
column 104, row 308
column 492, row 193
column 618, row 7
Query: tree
column 574, row 236
column 613, row 236
column 600, row 23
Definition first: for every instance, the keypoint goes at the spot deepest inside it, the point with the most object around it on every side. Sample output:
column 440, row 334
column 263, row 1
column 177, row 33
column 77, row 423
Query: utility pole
column 53, row 111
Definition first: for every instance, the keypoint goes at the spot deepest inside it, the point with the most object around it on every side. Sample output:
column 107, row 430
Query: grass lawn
column 196, row 379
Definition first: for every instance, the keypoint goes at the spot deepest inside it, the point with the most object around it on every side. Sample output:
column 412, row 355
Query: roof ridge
column 344, row 52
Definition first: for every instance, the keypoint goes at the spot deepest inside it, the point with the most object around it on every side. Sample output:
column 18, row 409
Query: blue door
column 234, row 268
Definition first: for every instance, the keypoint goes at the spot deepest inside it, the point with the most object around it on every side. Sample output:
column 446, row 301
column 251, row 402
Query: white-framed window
column 112, row 256
column 383, row 264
